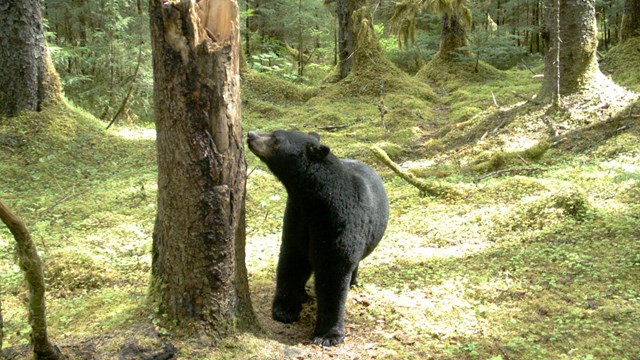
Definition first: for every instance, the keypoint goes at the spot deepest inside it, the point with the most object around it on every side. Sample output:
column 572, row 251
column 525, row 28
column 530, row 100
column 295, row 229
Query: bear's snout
column 259, row 144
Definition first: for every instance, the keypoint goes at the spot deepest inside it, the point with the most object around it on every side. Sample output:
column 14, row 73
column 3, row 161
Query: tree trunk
column 576, row 55
column 356, row 42
column 32, row 266
column 247, row 31
column 27, row 76
column 345, row 38
column 453, row 35
column 198, row 266
column 630, row 20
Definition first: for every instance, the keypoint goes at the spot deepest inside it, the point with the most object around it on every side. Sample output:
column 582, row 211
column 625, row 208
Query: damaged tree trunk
column 199, row 275
column 31, row 265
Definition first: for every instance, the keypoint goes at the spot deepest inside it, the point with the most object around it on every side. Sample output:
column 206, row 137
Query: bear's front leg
column 292, row 274
column 294, row 268
column 331, row 290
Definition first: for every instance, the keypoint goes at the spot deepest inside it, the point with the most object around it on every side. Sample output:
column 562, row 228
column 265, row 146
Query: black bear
column 336, row 213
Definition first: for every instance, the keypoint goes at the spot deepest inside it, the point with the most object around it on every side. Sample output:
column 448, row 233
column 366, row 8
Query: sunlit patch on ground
column 136, row 133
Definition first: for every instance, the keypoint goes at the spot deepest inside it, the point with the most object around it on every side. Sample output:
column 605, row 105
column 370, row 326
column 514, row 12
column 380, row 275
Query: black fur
column 336, row 214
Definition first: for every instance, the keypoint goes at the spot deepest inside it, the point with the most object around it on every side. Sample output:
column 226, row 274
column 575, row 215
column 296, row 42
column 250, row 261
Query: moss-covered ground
column 534, row 253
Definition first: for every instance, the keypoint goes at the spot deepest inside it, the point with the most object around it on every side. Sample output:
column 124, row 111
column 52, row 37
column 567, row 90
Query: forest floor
column 530, row 250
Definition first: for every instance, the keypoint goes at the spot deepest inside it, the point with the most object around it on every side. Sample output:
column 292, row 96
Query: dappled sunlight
column 519, row 143
column 135, row 133
column 412, row 247
column 262, row 251
column 624, row 164
column 444, row 311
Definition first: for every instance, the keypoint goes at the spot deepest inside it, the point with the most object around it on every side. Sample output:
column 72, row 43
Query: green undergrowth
column 622, row 62
column 534, row 253
column 351, row 106
column 88, row 198
column 471, row 92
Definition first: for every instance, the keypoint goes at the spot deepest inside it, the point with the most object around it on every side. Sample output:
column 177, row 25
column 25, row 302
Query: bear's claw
column 329, row 339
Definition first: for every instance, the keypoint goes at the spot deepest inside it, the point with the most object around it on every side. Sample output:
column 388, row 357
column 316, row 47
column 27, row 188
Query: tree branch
column 30, row 263
column 430, row 188
column 133, row 82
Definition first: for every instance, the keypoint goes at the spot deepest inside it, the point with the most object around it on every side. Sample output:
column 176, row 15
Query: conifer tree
column 630, row 20
column 198, row 271
column 455, row 19
column 571, row 65
column 28, row 79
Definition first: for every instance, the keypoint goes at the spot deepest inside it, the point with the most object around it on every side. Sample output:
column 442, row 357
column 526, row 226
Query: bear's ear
column 317, row 152
column 315, row 135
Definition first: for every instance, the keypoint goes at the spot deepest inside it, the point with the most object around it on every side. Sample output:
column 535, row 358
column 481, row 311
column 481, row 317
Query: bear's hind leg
column 331, row 290
column 354, row 278
column 291, row 276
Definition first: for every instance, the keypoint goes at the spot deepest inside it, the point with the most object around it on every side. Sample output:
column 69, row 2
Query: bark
column 27, row 76
column 453, row 35
column 630, row 26
column 347, row 34
column 30, row 263
column 577, row 41
column 345, row 38
column 198, row 265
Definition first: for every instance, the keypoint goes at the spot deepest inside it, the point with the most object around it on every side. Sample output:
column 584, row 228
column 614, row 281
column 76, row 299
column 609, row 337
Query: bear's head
column 287, row 153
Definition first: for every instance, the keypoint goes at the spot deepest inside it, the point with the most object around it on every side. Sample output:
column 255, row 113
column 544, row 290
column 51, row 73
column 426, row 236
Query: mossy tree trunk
column 31, row 265
column 572, row 47
column 453, row 35
column 27, row 76
column 367, row 51
column 630, row 26
column 199, row 277
column 356, row 37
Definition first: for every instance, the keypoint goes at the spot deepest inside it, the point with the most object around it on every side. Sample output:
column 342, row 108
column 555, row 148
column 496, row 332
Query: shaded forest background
column 101, row 48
